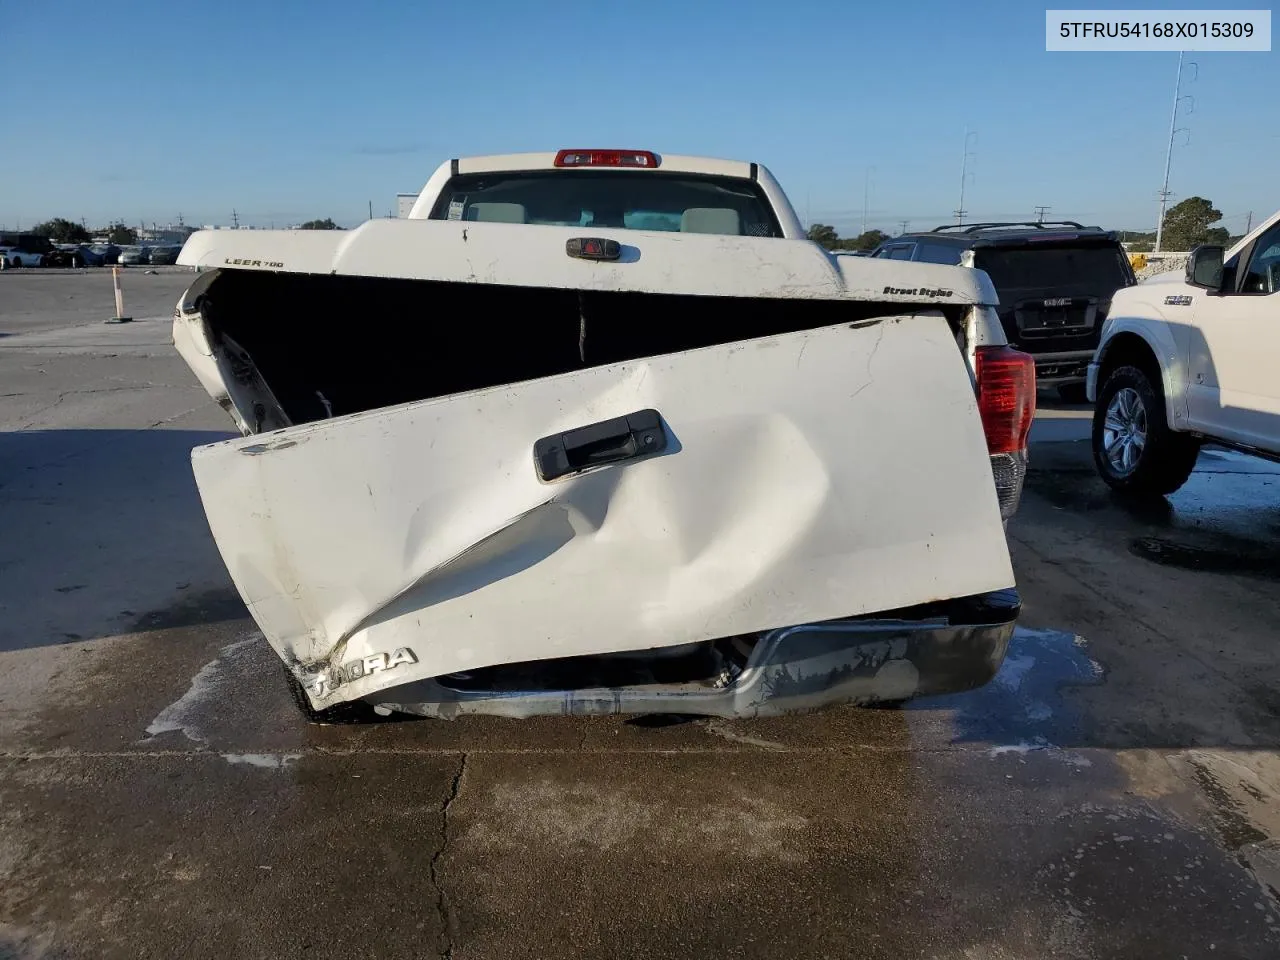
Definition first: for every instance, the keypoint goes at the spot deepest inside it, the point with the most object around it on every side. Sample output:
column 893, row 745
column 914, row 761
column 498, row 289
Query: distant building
column 404, row 204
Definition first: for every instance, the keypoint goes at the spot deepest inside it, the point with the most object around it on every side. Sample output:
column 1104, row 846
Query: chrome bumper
column 790, row 670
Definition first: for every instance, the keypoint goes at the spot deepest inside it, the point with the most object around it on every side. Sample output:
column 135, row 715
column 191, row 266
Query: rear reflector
column 1006, row 397
column 606, row 158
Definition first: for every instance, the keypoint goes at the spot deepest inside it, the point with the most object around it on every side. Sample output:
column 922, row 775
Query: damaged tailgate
column 655, row 502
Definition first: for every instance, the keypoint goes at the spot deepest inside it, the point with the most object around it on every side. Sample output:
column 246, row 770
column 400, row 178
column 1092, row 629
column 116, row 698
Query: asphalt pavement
column 1112, row 793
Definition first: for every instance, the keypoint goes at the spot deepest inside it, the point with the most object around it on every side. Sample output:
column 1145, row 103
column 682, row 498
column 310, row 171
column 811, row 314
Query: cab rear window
column 630, row 200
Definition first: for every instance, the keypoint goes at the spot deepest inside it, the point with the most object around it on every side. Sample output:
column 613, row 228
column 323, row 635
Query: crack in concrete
column 664, row 749
column 442, row 901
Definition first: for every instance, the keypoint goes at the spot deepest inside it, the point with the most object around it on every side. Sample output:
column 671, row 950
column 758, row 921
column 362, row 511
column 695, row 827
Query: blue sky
column 286, row 110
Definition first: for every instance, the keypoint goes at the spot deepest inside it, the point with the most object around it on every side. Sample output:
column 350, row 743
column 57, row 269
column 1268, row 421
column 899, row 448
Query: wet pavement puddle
column 1022, row 708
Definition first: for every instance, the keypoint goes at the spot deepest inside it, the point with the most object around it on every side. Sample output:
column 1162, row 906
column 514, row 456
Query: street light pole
column 866, row 196
column 1168, row 156
column 964, row 176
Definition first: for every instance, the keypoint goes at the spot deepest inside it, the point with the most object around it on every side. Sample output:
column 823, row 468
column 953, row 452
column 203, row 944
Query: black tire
column 1072, row 393
column 1165, row 460
column 15, row 261
column 342, row 714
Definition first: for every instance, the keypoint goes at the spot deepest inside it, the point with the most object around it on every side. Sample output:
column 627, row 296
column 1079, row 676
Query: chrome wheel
column 1124, row 432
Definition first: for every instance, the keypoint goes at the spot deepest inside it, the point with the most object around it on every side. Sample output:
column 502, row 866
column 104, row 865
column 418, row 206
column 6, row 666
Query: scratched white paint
column 810, row 475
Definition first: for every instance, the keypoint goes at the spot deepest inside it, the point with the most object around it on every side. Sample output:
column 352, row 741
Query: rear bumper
column 1057, row 369
column 940, row 648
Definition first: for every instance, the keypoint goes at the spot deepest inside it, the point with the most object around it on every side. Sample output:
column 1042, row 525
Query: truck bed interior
column 330, row 345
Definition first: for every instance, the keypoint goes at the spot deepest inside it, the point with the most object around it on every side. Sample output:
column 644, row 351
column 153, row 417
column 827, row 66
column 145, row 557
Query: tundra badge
column 323, row 684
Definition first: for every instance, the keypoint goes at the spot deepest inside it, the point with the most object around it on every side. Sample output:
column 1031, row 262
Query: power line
column 1040, row 212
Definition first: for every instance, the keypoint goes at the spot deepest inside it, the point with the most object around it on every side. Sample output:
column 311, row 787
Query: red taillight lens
column 606, row 158
column 1006, row 397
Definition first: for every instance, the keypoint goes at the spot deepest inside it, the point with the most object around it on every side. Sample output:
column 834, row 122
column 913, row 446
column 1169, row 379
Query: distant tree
column 121, row 235
column 60, row 230
column 1189, row 223
column 825, row 235
column 867, row 241
column 325, row 224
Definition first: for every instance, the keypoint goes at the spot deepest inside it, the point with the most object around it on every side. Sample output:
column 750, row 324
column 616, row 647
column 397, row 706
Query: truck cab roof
column 755, row 177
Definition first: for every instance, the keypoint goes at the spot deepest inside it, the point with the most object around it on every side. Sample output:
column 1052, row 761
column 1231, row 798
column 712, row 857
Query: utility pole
column 370, row 209
column 964, row 175
column 235, row 220
column 902, row 224
column 1248, row 224
column 1040, row 212
column 1168, row 156
column 866, row 196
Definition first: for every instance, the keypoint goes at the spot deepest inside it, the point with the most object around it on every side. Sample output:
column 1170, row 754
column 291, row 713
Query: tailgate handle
column 637, row 435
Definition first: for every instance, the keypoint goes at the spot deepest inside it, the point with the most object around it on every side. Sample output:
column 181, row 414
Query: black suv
column 1054, row 279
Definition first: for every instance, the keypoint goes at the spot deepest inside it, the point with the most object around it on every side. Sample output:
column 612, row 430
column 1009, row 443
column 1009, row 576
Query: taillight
column 1006, row 386
column 1006, row 396
column 606, row 158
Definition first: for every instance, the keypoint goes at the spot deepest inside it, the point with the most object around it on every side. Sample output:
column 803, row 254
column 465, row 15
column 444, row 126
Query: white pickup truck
column 1187, row 359
column 599, row 431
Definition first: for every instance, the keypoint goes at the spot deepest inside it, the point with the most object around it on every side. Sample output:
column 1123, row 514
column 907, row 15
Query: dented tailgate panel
column 807, row 476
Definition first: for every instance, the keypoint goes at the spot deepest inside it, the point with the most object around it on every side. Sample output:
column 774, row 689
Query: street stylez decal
column 269, row 264
column 917, row 292
column 323, row 684
column 1178, row 300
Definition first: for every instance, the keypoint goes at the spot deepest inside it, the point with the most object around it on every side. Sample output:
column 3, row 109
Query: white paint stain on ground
column 268, row 761
column 179, row 716
column 1041, row 745
column 1014, row 670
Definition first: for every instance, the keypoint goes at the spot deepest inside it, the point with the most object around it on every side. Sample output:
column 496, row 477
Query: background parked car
column 90, row 257
column 23, row 249
column 164, row 255
column 109, row 253
column 133, row 256
column 1055, row 281
column 72, row 255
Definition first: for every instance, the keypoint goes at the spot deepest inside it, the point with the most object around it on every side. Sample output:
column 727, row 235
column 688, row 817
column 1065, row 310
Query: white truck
column 1187, row 359
column 600, row 431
